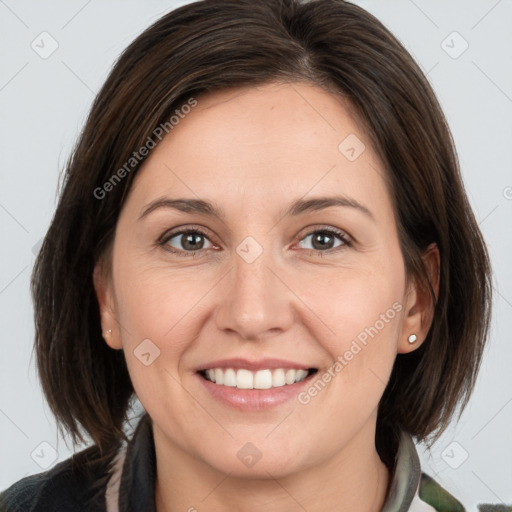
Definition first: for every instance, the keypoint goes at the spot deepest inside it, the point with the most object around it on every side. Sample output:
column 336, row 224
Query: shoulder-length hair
column 219, row 44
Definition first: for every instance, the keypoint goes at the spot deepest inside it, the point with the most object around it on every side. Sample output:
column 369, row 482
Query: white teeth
column 262, row 379
column 230, row 378
column 300, row 375
column 289, row 376
column 278, row 379
column 244, row 379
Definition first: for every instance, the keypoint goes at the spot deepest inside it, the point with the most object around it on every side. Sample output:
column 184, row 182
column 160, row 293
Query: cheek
column 159, row 316
column 155, row 302
column 148, row 309
column 356, row 306
column 364, row 311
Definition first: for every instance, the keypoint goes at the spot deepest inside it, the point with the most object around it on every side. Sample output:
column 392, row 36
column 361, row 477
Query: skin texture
column 252, row 151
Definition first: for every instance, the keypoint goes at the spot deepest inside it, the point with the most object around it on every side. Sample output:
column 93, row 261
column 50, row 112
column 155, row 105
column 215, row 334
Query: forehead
column 278, row 116
column 263, row 143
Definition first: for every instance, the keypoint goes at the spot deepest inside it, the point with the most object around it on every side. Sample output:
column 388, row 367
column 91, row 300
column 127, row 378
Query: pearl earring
column 107, row 332
column 412, row 338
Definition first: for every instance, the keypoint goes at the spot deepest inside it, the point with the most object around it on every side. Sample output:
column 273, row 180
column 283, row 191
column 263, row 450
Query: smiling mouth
column 261, row 379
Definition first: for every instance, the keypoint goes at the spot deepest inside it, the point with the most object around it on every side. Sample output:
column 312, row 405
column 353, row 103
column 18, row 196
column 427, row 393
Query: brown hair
column 218, row 44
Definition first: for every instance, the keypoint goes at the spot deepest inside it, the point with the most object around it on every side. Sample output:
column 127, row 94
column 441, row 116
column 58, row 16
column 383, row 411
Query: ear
column 105, row 295
column 419, row 305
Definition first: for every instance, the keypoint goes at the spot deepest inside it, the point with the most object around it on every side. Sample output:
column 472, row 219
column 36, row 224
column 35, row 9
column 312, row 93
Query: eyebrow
column 298, row 207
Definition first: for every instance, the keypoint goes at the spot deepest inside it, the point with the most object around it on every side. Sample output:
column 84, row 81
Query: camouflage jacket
column 414, row 491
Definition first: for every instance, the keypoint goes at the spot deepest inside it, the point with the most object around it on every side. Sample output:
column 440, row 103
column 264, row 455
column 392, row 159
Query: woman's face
column 275, row 280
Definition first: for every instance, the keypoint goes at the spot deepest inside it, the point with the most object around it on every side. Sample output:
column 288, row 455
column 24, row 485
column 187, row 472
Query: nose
column 255, row 302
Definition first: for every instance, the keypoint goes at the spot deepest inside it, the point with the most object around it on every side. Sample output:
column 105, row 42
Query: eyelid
column 185, row 228
column 315, row 228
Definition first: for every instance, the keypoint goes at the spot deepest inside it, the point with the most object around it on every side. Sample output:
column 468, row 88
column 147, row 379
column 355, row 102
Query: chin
column 258, row 459
column 274, row 467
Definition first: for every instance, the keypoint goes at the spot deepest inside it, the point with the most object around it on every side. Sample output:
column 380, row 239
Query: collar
column 133, row 475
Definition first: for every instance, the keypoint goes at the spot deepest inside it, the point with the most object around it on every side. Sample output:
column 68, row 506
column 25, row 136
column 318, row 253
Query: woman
column 263, row 236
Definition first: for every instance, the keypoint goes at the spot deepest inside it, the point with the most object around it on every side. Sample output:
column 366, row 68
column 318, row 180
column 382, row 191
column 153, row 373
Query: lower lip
column 254, row 399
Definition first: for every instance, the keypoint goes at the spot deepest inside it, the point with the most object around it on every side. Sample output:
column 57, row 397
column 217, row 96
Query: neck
column 353, row 479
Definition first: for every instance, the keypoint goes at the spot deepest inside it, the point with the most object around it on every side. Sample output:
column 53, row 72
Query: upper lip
column 260, row 364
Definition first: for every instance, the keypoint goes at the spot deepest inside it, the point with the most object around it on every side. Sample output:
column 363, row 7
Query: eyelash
column 166, row 237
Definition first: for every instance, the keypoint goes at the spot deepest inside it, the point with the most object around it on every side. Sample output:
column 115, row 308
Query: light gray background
column 43, row 103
